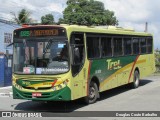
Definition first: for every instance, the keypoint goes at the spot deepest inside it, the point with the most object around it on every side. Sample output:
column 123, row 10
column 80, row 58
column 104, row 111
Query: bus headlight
column 65, row 83
column 18, row 86
column 60, row 86
column 54, row 88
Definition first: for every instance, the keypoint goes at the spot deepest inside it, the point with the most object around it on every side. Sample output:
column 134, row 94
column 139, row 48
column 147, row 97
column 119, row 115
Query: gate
column 5, row 70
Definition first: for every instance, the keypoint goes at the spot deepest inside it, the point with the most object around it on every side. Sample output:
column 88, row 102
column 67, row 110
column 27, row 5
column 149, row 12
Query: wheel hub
column 92, row 92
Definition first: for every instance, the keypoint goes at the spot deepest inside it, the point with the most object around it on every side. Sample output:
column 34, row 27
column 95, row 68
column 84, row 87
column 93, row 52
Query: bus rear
column 41, row 64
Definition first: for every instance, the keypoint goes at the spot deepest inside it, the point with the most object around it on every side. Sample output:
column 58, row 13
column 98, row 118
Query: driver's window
column 77, row 46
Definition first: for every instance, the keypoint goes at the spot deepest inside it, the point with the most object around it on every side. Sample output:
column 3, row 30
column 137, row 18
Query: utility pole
column 146, row 27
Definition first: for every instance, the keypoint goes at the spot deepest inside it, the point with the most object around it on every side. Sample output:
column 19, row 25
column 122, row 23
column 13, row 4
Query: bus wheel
column 93, row 93
column 135, row 83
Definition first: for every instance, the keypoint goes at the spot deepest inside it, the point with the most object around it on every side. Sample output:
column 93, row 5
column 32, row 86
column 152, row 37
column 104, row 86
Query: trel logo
column 114, row 65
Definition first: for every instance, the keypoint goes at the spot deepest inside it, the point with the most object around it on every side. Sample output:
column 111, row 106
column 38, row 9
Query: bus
column 68, row 62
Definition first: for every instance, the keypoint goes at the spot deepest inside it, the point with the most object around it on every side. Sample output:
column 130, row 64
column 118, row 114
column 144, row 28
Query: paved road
column 145, row 98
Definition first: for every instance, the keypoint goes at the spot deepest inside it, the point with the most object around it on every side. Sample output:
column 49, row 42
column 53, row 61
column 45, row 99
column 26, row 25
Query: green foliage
column 23, row 17
column 157, row 60
column 47, row 19
column 157, row 57
column 87, row 12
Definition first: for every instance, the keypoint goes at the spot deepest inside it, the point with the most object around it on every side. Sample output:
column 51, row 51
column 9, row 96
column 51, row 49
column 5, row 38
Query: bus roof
column 94, row 29
column 105, row 29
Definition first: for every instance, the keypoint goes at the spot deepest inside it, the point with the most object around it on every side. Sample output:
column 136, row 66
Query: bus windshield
column 41, row 57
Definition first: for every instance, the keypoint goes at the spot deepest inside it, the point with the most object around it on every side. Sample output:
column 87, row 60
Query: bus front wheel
column 135, row 83
column 92, row 93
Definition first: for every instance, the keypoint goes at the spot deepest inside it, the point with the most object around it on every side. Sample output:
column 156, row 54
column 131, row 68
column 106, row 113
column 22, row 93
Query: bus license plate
column 36, row 94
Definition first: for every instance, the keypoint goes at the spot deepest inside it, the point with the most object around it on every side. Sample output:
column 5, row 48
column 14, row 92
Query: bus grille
column 40, row 88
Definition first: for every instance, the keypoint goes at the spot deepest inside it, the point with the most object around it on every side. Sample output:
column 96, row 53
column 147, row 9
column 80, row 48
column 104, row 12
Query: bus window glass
column 40, row 49
column 78, row 52
column 143, row 45
column 41, row 57
column 93, row 47
column 149, row 45
column 135, row 46
column 117, row 42
column 127, row 46
column 106, row 46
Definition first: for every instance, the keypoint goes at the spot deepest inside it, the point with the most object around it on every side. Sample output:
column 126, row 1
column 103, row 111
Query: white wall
column 6, row 28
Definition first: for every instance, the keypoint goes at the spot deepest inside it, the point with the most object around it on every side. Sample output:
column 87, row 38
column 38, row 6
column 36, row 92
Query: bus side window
column 135, row 43
column 127, row 46
column 117, row 42
column 149, row 44
column 143, row 46
column 78, row 55
column 93, row 47
column 106, row 43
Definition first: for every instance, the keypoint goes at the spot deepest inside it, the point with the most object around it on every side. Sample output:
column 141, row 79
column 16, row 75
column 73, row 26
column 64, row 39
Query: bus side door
column 78, row 67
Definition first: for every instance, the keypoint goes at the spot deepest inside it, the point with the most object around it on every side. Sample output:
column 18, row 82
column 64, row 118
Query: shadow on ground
column 72, row 105
column 121, row 89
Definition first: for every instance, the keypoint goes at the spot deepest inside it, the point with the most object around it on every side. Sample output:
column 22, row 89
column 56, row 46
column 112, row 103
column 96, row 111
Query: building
column 6, row 38
column 6, row 34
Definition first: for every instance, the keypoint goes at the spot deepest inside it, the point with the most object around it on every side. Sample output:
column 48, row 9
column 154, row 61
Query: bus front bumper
column 59, row 95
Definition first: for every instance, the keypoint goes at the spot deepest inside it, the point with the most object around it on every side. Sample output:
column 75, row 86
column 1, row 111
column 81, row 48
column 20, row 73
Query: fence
column 5, row 70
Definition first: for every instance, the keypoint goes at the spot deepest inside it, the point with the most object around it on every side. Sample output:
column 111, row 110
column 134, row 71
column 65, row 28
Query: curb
column 3, row 88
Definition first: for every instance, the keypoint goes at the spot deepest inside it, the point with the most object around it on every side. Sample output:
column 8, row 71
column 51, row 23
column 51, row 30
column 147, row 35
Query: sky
column 130, row 13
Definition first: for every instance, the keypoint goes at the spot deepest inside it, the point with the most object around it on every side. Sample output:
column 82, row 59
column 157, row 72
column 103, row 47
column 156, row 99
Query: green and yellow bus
column 68, row 62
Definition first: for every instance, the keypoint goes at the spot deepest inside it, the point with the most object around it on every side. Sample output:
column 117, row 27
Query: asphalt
column 144, row 98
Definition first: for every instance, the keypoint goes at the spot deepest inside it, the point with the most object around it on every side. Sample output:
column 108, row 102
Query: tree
column 87, row 12
column 23, row 17
column 47, row 19
column 157, row 59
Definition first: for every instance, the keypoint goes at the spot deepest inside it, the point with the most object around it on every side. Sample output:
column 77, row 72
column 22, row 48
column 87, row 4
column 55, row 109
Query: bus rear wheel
column 136, row 80
column 92, row 93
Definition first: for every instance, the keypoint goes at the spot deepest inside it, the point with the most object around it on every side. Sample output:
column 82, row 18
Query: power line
column 11, row 23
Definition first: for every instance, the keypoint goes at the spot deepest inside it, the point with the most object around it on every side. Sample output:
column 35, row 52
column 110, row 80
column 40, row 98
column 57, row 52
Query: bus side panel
column 79, row 84
column 146, row 65
column 112, row 72
column 120, row 71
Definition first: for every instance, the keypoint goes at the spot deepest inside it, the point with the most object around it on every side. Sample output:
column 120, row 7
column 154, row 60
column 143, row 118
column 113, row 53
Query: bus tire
column 135, row 83
column 93, row 93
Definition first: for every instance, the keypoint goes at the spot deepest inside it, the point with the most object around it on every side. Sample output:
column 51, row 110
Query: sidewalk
column 6, row 91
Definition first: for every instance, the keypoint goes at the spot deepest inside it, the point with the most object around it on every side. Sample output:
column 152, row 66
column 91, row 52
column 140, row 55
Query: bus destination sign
column 23, row 33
